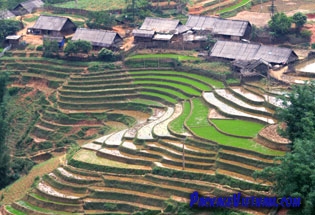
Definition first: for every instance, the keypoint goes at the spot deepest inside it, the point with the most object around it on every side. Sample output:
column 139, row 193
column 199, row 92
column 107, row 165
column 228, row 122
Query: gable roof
column 53, row 23
column 218, row 25
column 30, row 5
column 245, row 51
column 96, row 37
column 160, row 25
column 142, row 33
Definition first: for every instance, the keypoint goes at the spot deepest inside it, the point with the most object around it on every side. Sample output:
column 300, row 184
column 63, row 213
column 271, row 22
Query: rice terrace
column 129, row 107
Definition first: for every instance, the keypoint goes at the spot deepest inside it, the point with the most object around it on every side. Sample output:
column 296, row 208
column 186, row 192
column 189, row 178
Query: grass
column 199, row 124
column 166, row 91
column 201, row 86
column 14, row 211
column 238, row 127
column 203, row 79
column 177, row 124
column 171, row 56
column 31, row 19
column 233, row 7
column 96, row 5
column 163, row 97
column 146, row 102
column 184, row 88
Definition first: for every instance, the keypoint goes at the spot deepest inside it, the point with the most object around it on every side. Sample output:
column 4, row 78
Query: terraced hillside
column 167, row 133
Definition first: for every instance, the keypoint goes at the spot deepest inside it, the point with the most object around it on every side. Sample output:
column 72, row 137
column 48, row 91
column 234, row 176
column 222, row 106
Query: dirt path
column 20, row 188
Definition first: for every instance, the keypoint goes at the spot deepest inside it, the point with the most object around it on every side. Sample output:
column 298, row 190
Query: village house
column 59, row 39
column 53, row 26
column 6, row 14
column 27, row 7
column 99, row 38
column 218, row 27
column 158, row 32
column 252, row 59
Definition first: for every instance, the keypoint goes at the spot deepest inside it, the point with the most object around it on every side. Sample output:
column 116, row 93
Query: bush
column 306, row 34
column 39, row 48
column 106, row 55
column 313, row 46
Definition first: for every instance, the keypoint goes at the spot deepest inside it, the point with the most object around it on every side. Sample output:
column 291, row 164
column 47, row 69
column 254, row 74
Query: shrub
column 39, row 48
column 313, row 46
column 106, row 55
column 306, row 34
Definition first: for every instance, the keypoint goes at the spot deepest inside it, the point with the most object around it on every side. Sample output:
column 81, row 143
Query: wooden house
column 6, row 14
column 246, row 51
column 13, row 40
column 53, row 26
column 224, row 28
column 27, row 7
column 99, row 38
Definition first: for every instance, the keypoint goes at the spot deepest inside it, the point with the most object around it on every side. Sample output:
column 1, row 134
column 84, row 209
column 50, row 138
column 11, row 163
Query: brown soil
column 213, row 114
column 90, row 132
column 271, row 133
column 256, row 18
column 311, row 27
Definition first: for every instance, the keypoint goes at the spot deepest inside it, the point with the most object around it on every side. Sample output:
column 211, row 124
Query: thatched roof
column 30, row 5
column 160, row 25
column 217, row 25
column 100, row 38
column 6, row 14
column 245, row 51
column 52, row 23
column 143, row 33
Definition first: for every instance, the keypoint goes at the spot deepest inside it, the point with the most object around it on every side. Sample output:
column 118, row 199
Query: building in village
column 27, row 7
column 53, row 26
column 249, row 59
column 99, row 38
column 158, row 32
column 6, row 14
column 59, row 39
column 218, row 27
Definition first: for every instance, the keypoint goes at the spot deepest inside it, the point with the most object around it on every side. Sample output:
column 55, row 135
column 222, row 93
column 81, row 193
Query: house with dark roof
column 158, row 29
column 99, row 38
column 246, row 51
column 53, row 26
column 226, row 28
column 27, row 7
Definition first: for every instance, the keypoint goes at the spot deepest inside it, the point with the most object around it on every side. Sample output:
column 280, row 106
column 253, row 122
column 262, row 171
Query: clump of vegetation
column 79, row 46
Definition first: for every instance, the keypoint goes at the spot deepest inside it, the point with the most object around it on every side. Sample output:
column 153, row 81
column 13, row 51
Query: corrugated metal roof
column 31, row 5
column 96, row 37
column 218, row 25
column 142, row 33
column 245, row 51
column 53, row 23
column 160, row 25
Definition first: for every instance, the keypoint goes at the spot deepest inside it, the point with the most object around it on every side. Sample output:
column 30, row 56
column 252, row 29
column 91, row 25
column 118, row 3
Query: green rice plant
column 36, row 208
column 180, row 80
column 177, row 124
column 172, row 56
column 159, row 97
column 187, row 89
column 170, row 92
column 13, row 210
column 238, row 127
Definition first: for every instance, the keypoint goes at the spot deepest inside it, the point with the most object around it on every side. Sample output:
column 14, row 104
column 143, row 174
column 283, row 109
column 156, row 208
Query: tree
column 9, row 27
column 299, row 112
column 279, row 24
column 100, row 20
column 295, row 175
column 51, row 48
column 79, row 46
column 137, row 7
column 106, row 55
column 299, row 19
column 4, row 153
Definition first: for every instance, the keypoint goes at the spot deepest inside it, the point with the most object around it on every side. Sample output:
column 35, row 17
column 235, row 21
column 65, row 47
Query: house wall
column 68, row 28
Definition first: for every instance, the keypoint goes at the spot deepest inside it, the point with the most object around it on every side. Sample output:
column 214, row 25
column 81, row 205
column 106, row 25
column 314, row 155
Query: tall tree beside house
column 4, row 152
column 299, row 19
column 138, row 7
column 50, row 48
column 100, row 20
column 79, row 46
column 8, row 27
column 279, row 25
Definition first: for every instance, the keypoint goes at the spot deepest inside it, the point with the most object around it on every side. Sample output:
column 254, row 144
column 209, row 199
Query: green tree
column 138, row 7
column 106, row 55
column 79, row 46
column 279, row 24
column 299, row 19
column 299, row 112
column 295, row 175
column 4, row 152
column 50, row 48
column 100, row 20
column 9, row 27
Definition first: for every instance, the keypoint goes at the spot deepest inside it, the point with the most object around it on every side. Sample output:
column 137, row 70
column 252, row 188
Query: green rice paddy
column 171, row 56
column 166, row 91
column 177, row 125
column 160, row 96
column 238, row 127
